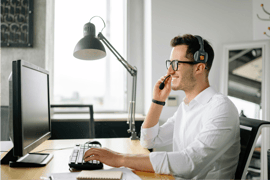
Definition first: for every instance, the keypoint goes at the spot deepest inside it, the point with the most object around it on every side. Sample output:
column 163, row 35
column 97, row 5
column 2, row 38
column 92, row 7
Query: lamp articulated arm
column 133, row 72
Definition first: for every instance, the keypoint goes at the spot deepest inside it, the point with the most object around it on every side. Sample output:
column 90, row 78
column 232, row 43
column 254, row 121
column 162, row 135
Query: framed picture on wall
column 16, row 23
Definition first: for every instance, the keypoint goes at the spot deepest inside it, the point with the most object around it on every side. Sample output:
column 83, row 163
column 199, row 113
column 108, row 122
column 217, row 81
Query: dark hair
column 193, row 46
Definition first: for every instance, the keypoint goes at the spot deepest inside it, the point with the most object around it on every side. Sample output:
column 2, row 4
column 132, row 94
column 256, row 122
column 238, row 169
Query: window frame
column 50, row 65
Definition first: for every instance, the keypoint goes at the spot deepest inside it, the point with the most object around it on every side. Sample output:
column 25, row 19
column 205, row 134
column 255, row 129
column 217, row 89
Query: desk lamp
column 90, row 48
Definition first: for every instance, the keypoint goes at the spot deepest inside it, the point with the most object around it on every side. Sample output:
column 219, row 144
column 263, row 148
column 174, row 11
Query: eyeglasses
column 174, row 64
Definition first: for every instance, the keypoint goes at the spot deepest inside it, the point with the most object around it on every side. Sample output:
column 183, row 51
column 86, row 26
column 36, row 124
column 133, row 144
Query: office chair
column 70, row 129
column 249, row 132
column 4, row 123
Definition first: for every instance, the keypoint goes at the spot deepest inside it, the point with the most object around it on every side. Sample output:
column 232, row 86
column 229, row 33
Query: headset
column 200, row 56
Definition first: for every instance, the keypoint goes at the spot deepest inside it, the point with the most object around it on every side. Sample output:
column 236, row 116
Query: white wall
column 260, row 26
column 218, row 21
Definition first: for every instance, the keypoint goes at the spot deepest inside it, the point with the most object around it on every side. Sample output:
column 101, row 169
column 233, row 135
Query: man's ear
column 200, row 68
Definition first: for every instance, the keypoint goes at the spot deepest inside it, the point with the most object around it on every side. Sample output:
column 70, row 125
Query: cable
column 52, row 149
column 101, row 19
column 57, row 149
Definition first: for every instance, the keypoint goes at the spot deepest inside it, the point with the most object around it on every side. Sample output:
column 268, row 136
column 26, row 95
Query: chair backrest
column 250, row 130
column 4, row 123
column 73, row 129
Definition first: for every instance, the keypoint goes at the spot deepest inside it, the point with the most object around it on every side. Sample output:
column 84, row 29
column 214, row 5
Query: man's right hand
column 154, row 112
column 162, row 95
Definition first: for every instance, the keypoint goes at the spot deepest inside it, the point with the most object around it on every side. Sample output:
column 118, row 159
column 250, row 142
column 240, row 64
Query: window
column 100, row 82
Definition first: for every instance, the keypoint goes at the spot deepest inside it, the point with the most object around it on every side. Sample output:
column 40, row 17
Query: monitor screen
column 29, row 115
column 30, row 107
column 34, row 105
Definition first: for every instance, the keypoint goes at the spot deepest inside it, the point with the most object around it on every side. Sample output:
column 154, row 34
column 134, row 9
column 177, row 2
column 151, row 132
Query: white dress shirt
column 205, row 135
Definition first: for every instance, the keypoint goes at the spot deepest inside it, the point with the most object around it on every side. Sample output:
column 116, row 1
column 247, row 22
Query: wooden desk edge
column 109, row 142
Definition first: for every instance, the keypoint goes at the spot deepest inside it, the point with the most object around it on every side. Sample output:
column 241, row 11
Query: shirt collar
column 205, row 96
column 202, row 98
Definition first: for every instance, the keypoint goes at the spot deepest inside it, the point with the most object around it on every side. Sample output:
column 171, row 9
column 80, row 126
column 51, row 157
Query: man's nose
column 170, row 70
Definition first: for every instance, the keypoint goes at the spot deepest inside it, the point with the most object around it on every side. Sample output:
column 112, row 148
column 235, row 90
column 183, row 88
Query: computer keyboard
column 76, row 159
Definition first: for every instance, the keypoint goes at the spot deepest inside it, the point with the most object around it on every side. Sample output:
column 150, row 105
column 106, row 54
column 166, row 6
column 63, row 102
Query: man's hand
column 105, row 156
column 135, row 161
column 154, row 112
column 162, row 95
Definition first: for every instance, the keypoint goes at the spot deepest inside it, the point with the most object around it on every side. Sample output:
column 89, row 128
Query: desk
column 59, row 163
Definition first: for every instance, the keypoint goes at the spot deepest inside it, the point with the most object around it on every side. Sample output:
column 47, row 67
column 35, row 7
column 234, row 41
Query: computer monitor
column 29, row 114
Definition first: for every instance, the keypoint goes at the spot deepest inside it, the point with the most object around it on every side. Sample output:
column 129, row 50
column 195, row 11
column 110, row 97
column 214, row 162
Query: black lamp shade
column 89, row 48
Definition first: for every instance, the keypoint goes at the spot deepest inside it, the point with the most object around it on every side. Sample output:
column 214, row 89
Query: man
column 204, row 130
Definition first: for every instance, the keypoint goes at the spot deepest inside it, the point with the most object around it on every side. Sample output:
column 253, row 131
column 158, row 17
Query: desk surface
column 59, row 163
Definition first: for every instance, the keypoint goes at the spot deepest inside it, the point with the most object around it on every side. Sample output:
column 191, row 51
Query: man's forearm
column 152, row 116
column 137, row 162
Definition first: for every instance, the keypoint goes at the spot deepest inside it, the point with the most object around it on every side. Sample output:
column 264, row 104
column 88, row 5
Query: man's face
column 183, row 78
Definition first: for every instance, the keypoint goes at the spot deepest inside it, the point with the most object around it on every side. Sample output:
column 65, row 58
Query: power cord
column 53, row 149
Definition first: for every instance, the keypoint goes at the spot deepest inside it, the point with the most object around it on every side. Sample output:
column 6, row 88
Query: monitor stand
column 29, row 160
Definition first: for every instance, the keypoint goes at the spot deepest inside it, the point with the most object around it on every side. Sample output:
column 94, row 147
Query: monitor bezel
column 18, row 128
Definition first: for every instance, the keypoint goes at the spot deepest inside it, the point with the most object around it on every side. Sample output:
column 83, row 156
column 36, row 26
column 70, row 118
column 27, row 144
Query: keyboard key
column 76, row 159
column 73, row 159
column 79, row 160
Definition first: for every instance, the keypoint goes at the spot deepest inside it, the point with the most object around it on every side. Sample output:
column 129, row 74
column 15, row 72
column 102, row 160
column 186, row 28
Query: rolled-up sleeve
column 159, row 161
column 147, row 136
column 158, row 136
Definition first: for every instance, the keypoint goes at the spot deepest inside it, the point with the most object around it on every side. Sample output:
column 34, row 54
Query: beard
column 186, row 83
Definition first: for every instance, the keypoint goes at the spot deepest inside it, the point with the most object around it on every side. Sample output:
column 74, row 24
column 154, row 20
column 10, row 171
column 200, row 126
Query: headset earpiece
column 200, row 56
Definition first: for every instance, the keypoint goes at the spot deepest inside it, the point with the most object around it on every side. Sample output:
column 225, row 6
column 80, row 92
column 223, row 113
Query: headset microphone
column 161, row 86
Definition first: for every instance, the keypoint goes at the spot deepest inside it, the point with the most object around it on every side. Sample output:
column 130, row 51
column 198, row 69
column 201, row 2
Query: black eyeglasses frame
column 171, row 63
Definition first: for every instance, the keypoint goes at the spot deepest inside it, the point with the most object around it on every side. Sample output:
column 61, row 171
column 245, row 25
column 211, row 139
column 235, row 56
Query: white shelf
column 97, row 117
